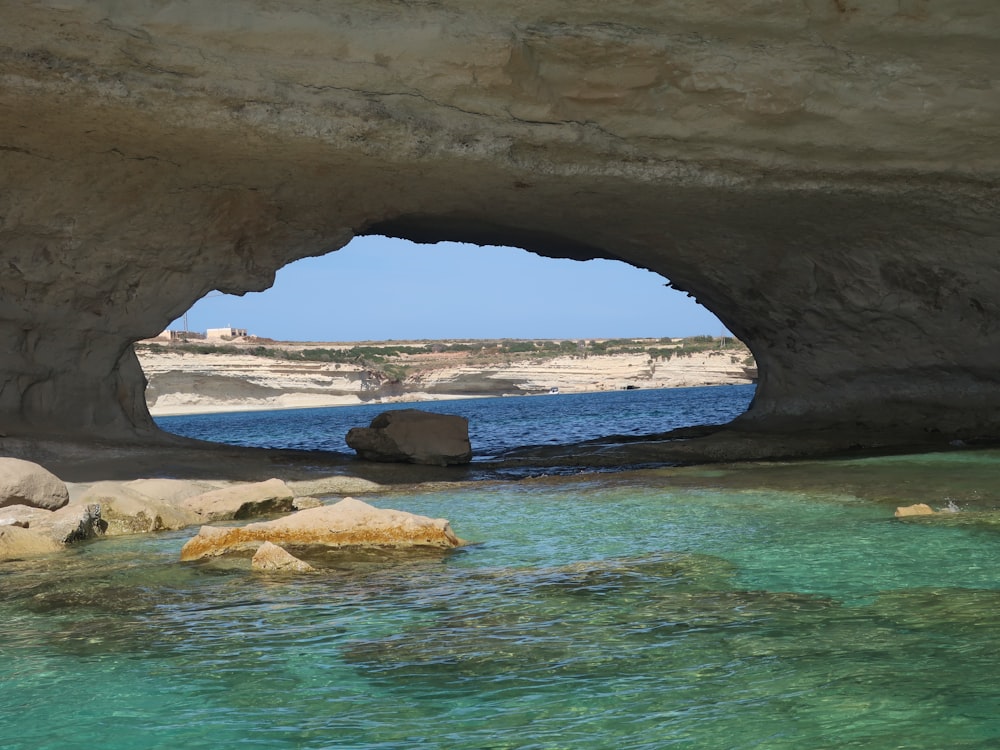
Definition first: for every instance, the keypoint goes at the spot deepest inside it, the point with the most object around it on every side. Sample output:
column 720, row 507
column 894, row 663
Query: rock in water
column 918, row 509
column 413, row 436
column 27, row 483
column 349, row 523
column 271, row 558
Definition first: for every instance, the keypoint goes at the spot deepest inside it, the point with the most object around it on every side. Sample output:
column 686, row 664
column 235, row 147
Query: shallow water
column 748, row 607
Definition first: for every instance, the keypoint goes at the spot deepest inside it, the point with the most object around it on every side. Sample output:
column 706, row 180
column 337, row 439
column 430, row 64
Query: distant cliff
column 245, row 375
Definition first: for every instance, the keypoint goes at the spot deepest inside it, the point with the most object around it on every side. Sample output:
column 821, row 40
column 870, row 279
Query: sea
column 496, row 425
column 768, row 605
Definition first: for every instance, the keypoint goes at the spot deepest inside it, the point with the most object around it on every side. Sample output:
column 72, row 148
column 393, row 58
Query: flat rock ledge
column 348, row 523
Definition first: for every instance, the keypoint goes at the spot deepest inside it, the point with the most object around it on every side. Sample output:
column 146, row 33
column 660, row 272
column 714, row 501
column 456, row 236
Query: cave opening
column 450, row 327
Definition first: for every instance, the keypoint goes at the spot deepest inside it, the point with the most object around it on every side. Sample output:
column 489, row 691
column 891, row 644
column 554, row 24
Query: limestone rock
column 414, row 436
column 334, row 485
column 16, row 543
column 804, row 170
column 73, row 523
column 349, row 523
column 24, row 516
column 272, row 558
column 125, row 510
column 918, row 509
column 27, row 483
column 304, row 503
column 242, row 501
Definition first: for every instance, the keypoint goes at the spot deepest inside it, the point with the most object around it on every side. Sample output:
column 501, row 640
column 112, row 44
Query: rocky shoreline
column 246, row 375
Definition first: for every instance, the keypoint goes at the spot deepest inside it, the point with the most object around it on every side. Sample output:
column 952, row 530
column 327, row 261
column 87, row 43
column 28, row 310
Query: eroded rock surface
column 241, row 501
column 348, row 523
column 823, row 175
column 413, row 436
column 270, row 558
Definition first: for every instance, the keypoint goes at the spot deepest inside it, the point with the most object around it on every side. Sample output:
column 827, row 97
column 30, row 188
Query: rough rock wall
column 822, row 174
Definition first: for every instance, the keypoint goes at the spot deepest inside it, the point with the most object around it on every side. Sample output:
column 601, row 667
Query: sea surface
column 766, row 606
column 495, row 424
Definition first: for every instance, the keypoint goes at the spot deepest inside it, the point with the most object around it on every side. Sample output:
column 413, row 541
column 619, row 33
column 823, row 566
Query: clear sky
column 378, row 289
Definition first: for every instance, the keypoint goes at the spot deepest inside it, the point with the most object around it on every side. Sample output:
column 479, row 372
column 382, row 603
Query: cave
column 822, row 178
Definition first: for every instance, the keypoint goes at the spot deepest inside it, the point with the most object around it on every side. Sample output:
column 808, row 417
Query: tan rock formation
column 27, row 483
column 349, row 523
column 16, row 543
column 126, row 509
column 270, row 558
column 241, row 501
column 917, row 509
column 823, row 175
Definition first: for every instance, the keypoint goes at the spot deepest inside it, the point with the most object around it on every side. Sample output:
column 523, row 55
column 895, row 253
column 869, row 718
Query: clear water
column 761, row 606
column 495, row 424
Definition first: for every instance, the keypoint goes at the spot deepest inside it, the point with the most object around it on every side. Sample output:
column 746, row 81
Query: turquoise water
column 751, row 607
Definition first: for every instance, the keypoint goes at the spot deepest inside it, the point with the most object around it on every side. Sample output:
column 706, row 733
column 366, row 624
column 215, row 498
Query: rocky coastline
column 248, row 374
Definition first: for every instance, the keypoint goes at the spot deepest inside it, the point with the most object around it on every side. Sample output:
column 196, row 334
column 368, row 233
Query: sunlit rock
column 16, row 542
column 27, row 483
column 271, row 558
column 349, row 523
column 413, row 436
column 73, row 523
column 127, row 510
column 918, row 509
column 241, row 501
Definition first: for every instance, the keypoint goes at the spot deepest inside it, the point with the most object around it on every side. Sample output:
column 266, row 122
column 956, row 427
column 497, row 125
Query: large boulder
column 242, row 501
column 349, row 523
column 413, row 436
column 27, row 483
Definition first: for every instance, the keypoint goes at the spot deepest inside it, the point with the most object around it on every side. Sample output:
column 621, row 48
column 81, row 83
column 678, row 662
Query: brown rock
column 272, row 558
column 241, row 501
column 27, row 483
column 413, row 436
column 919, row 509
column 349, row 523
column 16, row 543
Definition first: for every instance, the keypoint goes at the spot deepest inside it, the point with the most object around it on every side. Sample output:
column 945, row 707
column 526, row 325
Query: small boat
column 553, row 390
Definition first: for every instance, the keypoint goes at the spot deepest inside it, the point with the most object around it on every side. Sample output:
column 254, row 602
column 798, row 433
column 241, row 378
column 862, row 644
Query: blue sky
column 378, row 289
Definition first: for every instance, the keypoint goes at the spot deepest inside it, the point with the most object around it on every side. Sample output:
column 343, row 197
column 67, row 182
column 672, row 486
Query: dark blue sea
column 495, row 424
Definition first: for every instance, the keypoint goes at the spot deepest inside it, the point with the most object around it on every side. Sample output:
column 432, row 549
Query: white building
column 225, row 333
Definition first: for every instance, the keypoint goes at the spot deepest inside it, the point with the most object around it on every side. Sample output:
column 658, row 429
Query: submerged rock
column 271, row 558
column 27, row 483
column 349, row 523
column 413, row 436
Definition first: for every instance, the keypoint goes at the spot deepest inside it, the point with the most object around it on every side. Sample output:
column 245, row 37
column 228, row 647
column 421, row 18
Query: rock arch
column 823, row 181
